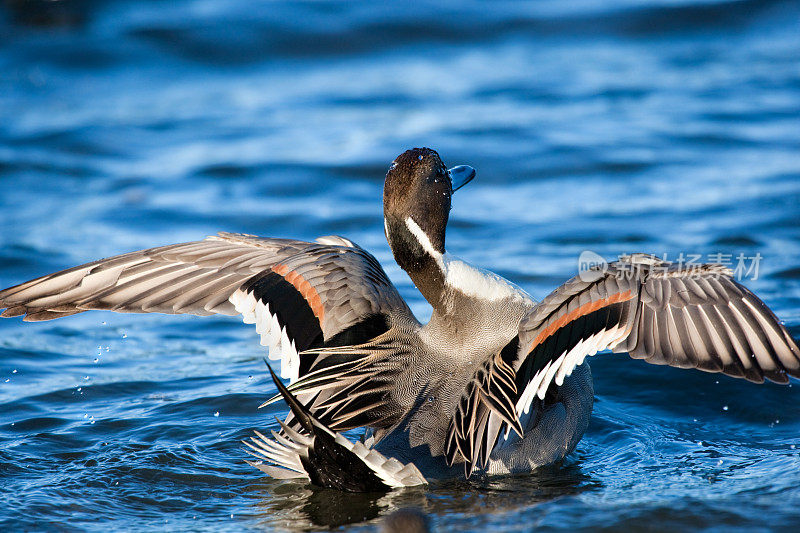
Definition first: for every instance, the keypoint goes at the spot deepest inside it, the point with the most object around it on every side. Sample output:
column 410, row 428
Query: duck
column 494, row 383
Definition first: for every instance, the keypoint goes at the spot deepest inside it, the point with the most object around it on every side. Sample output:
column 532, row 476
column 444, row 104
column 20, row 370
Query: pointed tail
column 325, row 457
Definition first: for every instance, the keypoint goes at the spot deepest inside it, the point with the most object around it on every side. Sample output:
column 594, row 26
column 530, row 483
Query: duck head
column 416, row 206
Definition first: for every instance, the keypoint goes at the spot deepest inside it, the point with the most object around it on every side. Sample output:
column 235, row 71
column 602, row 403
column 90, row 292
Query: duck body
column 480, row 317
column 494, row 383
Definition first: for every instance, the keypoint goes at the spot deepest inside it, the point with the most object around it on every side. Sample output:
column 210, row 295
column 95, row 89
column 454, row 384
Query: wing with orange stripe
column 300, row 295
column 664, row 313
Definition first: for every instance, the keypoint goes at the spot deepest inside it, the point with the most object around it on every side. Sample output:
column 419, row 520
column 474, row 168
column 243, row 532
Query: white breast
column 476, row 282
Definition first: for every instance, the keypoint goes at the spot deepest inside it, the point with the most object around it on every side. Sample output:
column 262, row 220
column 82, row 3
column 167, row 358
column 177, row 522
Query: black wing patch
column 568, row 336
column 289, row 307
column 288, row 303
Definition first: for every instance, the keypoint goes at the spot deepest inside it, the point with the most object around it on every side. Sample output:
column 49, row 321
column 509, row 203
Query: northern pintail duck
column 494, row 383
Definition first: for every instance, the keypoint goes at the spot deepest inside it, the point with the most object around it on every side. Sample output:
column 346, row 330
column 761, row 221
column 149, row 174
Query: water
column 665, row 127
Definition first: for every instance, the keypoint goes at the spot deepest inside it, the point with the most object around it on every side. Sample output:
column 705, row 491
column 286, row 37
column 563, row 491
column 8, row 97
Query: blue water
column 665, row 127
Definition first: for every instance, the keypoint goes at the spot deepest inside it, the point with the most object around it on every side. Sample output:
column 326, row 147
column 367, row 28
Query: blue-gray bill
column 461, row 175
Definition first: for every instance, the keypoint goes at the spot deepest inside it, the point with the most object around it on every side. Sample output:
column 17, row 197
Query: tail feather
column 325, row 457
column 276, row 472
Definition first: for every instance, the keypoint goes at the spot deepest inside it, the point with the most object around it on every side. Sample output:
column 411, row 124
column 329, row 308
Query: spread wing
column 687, row 317
column 300, row 295
column 664, row 313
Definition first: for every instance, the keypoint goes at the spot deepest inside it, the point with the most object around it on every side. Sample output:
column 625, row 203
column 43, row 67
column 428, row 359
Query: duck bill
column 461, row 175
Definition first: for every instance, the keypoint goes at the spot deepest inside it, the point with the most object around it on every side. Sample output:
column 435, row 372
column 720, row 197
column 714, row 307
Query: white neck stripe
column 422, row 238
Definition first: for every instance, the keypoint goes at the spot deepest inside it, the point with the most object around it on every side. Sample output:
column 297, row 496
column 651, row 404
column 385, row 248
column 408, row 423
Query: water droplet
column 699, row 443
column 8, row 380
column 103, row 322
column 124, row 335
column 80, row 389
column 85, row 415
column 792, row 446
column 216, row 414
column 86, row 377
column 14, row 371
column 725, row 408
column 418, row 157
column 96, row 359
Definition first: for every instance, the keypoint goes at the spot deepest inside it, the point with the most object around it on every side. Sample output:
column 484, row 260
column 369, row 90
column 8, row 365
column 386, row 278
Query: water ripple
column 665, row 127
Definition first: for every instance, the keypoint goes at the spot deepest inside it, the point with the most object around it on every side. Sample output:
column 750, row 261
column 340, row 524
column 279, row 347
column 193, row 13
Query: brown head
column 416, row 204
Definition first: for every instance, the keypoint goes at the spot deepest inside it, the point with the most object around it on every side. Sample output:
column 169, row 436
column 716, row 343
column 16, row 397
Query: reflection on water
column 301, row 506
column 663, row 127
column 305, row 507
